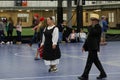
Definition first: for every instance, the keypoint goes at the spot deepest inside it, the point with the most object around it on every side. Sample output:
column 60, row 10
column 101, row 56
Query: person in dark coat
column 9, row 29
column 66, row 31
column 60, row 27
column 51, row 50
column 92, row 45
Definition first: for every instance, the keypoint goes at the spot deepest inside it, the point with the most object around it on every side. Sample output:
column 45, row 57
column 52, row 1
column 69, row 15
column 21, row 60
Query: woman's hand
column 53, row 46
column 41, row 46
column 83, row 49
column 34, row 28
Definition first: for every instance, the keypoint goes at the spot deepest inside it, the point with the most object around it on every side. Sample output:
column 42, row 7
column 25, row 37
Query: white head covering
column 53, row 17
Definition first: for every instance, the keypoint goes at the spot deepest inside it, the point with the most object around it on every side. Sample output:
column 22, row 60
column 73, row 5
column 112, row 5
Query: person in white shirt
column 19, row 31
column 72, row 37
column 51, row 50
column 82, row 35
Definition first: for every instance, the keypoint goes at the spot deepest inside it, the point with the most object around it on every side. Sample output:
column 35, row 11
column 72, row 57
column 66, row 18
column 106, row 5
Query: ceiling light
column 1, row 10
column 28, row 10
column 73, row 10
column 97, row 10
column 20, row 10
column 46, row 10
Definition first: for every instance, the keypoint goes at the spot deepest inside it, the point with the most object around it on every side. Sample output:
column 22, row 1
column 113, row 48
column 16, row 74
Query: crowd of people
column 69, row 34
column 6, row 31
column 66, row 33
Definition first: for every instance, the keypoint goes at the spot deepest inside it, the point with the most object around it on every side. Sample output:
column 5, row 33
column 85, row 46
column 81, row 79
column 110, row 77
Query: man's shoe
column 102, row 76
column 82, row 78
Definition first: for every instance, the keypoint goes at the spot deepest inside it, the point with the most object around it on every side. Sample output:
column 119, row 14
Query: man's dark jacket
column 93, row 39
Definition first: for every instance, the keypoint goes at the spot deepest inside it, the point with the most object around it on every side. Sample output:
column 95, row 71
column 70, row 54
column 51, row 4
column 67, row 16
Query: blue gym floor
column 17, row 63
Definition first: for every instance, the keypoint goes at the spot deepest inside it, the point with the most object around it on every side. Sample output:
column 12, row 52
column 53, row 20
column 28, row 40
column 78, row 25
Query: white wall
column 50, row 3
column 100, row 2
column 6, row 3
column 46, row 3
column 35, row 3
column 42, row 3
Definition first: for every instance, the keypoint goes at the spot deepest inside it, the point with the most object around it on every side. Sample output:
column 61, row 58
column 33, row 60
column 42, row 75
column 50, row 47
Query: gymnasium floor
column 17, row 63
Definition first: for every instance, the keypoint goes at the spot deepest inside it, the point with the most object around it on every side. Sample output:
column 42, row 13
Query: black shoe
column 36, row 59
column 50, row 70
column 102, row 76
column 82, row 78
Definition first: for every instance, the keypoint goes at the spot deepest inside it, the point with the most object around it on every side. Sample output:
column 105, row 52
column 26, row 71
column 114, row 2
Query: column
column 79, row 16
column 59, row 12
column 69, row 12
column 117, row 18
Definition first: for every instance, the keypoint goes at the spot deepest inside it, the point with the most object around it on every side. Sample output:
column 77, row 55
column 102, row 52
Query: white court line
column 47, row 77
column 76, row 57
column 85, row 58
column 26, row 56
column 112, row 63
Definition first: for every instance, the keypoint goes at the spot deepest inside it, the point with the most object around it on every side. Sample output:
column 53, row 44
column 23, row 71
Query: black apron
column 48, row 52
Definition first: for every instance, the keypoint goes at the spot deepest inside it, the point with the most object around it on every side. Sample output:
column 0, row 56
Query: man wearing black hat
column 92, row 45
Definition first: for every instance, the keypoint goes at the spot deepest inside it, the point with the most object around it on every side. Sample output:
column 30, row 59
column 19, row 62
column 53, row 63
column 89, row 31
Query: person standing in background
column 19, row 31
column 92, row 45
column 2, row 35
column 66, row 31
column 104, row 25
column 51, row 50
column 9, row 29
column 40, row 27
column 60, row 27
column 35, row 23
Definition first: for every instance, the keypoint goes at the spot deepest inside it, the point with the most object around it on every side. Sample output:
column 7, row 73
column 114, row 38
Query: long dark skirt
column 51, row 54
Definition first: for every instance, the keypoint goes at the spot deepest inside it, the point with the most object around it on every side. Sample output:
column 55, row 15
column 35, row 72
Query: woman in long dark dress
column 51, row 51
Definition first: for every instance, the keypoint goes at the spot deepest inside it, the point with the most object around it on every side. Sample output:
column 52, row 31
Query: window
column 111, row 17
column 23, row 17
column 64, row 16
